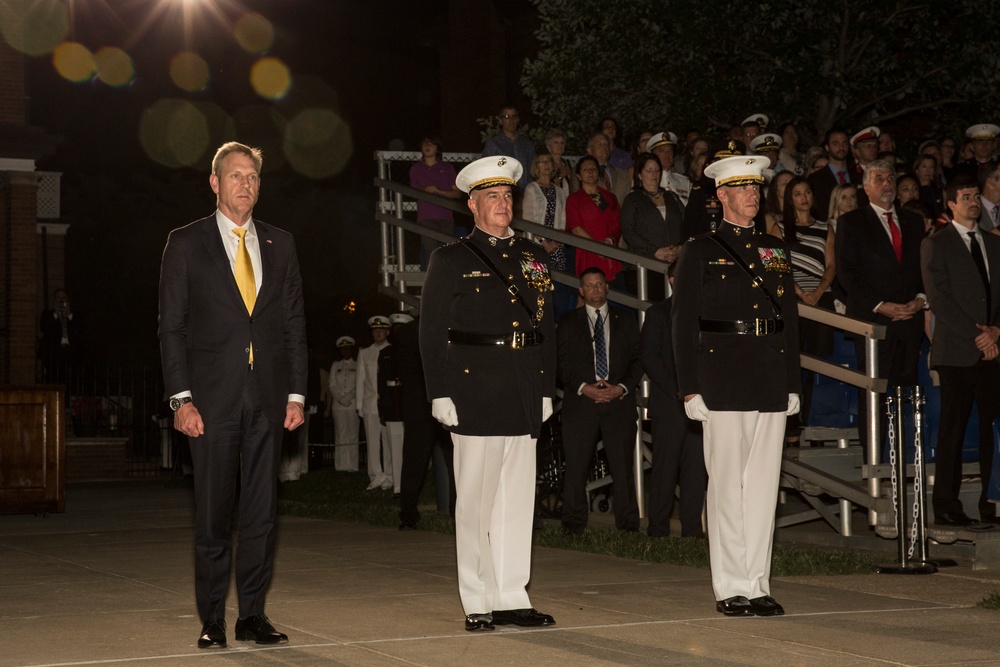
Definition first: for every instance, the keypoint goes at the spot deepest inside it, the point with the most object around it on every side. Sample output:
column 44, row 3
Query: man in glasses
column 509, row 142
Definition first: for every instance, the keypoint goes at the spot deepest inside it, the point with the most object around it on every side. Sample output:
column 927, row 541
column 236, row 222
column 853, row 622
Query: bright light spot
column 318, row 143
column 189, row 71
column 254, row 33
column 34, row 27
column 114, row 67
column 174, row 133
column 74, row 62
column 271, row 78
column 350, row 307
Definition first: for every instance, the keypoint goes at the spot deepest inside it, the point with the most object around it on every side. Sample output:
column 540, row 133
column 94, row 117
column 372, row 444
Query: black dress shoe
column 524, row 617
column 953, row 519
column 478, row 622
column 735, row 606
column 767, row 606
column 258, row 629
column 213, row 634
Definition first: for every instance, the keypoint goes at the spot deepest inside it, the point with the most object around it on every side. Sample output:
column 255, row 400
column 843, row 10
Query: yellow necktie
column 244, row 276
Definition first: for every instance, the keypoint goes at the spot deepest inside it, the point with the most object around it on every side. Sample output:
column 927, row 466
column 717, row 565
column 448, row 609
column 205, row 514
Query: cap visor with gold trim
column 758, row 118
column 345, row 341
column 661, row 139
column 489, row 172
column 766, row 143
column 740, row 170
column 983, row 131
column 378, row 322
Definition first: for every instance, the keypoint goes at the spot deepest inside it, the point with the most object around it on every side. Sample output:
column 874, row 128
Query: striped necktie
column 600, row 348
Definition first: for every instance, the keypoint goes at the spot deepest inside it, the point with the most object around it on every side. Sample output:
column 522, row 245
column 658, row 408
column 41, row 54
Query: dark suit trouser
column 897, row 361
column 678, row 457
column 422, row 433
column 239, row 455
column 960, row 386
column 582, row 426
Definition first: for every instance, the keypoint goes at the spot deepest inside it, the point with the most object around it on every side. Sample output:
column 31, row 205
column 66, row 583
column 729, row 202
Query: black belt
column 757, row 327
column 516, row 340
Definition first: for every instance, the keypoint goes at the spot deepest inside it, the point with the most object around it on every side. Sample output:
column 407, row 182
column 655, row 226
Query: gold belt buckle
column 517, row 340
column 764, row 327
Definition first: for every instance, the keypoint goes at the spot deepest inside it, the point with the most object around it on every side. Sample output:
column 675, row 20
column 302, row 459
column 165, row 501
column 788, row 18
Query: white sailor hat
column 489, row 172
column 661, row 139
column 378, row 322
column 758, row 118
column 870, row 133
column 345, row 341
column 763, row 143
column 400, row 318
column 739, row 170
column 983, row 131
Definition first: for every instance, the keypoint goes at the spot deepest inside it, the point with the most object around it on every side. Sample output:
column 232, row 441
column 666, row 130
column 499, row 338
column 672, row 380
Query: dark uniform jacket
column 390, row 385
column 735, row 372
column 497, row 390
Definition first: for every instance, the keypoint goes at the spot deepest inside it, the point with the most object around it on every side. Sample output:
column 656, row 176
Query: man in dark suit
column 487, row 342
column 678, row 453
column 233, row 344
column 836, row 172
column 598, row 362
column 961, row 271
column 878, row 264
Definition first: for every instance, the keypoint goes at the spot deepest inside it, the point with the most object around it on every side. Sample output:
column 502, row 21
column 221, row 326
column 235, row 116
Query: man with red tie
column 878, row 264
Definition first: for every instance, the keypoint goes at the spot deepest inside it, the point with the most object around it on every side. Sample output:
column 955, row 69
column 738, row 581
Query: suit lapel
column 879, row 231
column 264, row 242
column 217, row 252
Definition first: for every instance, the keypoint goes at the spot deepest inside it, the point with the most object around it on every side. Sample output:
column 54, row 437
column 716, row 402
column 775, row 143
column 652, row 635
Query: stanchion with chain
column 897, row 463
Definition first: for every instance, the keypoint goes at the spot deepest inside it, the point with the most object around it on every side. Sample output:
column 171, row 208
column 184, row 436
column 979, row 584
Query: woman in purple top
column 434, row 176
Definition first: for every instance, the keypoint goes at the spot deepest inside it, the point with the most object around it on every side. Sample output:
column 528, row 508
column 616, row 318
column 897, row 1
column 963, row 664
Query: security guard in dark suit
column 487, row 339
column 735, row 331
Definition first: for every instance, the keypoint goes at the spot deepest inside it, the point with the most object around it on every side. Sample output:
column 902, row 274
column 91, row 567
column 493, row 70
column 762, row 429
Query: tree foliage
column 656, row 64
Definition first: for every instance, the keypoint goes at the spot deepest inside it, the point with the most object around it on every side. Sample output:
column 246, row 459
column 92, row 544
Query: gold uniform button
column 751, row 265
column 510, row 277
column 748, row 246
column 723, row 276
column 466, row 370
column 711, row 350
column 505, row 255
column 756, row 306
column 477, row 289
column 516, row 324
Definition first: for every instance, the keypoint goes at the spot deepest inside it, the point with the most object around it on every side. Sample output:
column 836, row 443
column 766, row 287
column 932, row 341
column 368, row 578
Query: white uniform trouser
column 345, row 423
column 377, row 442
column 394, row 445
column 743, row 457
column 494, row 509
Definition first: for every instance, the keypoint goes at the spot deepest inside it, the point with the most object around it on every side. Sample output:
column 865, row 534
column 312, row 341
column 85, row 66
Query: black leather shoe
column 767, row 606
column 258, row 629
column 953, row 519
column 478, row 622
column 213, row 634
column 735, row 606
column 528, row 618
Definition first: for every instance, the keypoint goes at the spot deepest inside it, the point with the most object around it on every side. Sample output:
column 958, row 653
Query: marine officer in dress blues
column 487, row 340
column 735, row 331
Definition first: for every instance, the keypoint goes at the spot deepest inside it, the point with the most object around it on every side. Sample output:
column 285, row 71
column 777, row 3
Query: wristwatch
column 176, row 403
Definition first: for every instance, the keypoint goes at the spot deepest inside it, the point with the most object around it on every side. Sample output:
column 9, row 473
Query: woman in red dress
column 593, row 213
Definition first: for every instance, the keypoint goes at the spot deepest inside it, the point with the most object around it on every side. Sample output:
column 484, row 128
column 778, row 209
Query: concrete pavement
column 111, row 582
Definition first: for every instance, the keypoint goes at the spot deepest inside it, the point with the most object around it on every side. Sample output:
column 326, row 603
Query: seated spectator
column 555, row 144
column 598, row 364
column 816, row 159
column 907, row 189
column 843, row 199
column 593, row 213
column 811, row 244
column 437, row 177
column 789, row 156
column 931, row 193
column 620, row 158
column 545, row 204
column 651, row 222
column 774, row 200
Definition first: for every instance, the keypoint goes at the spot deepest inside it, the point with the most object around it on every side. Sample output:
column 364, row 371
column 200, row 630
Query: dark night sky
column 365, row 60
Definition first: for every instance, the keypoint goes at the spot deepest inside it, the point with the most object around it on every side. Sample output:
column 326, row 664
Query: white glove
column 793, row 404
column 696, row 409
column 546, row 408
column 443, row 410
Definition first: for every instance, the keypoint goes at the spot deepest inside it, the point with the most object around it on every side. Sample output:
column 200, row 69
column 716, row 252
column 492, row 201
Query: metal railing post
column 874, row 436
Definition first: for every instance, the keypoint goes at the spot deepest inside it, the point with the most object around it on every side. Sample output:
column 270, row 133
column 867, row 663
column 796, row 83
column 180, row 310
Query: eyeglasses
column 509, row 115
